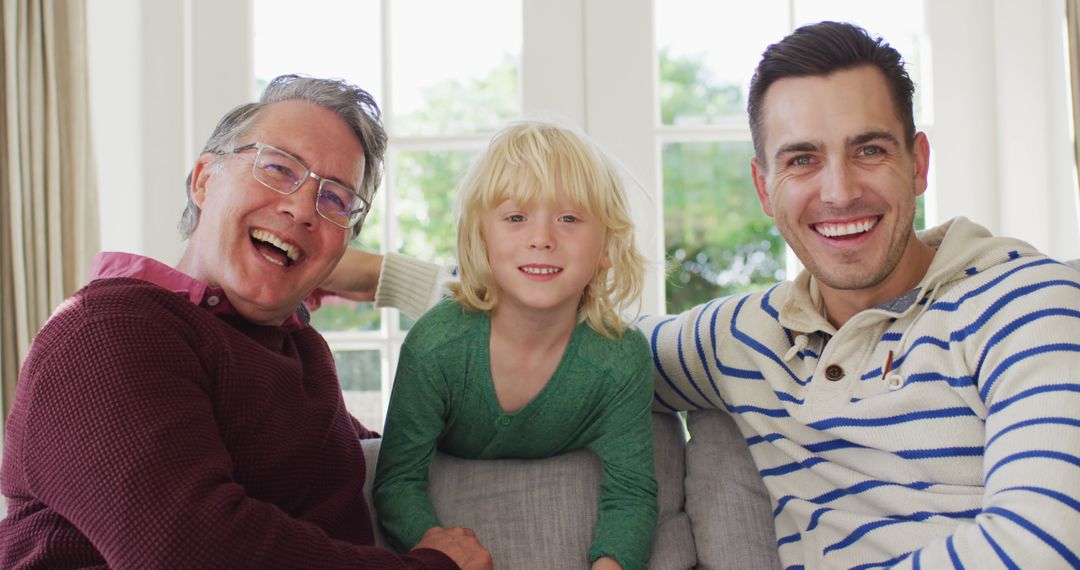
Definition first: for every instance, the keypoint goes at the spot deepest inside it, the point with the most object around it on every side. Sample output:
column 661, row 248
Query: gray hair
column 354, row 105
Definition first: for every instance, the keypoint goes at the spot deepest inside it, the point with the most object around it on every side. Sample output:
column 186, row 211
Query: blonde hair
column 527, row 161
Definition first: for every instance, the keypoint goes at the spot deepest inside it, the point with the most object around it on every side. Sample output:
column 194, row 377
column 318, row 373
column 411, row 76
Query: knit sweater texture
column 443, row 398
column 938, row 430
column 153, row 427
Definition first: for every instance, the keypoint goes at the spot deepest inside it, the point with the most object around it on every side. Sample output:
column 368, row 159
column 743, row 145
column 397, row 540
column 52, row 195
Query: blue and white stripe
column 971, row 460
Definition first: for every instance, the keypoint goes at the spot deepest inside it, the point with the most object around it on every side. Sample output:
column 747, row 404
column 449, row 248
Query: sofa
column 714, row 511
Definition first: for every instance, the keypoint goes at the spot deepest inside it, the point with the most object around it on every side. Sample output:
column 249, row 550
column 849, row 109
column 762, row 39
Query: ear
column 607, row 252
column 921, row 162
column 200, row 174
column 758, row 172
column 605, row 261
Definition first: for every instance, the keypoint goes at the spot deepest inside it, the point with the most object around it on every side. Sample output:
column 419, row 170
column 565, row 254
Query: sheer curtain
column 1072, row 13
column 48, row 204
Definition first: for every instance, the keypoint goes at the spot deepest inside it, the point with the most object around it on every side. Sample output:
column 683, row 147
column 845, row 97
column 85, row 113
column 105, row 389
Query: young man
column 189, row 416
column 909, row 400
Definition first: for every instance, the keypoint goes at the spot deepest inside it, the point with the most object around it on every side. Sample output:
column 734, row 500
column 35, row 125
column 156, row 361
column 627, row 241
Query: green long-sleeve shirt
column 599, row 397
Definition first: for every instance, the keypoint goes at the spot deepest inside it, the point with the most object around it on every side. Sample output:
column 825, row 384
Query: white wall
column 162, row 72
column 1000, row 143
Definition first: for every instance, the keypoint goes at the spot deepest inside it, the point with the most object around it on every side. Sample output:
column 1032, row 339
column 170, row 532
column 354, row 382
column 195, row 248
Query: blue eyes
column 866, row 151
column 333, row 200
column 567, row 218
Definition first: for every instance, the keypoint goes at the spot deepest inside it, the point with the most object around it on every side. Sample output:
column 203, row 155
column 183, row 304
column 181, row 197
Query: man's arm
column 686, row 364
column 1027, row 368
column 355, row 278
column 136, row 463
column 404, row 283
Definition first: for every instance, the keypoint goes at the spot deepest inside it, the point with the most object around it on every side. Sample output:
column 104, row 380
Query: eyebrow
column 803, row 146
column 861, row 138
column 866, row 137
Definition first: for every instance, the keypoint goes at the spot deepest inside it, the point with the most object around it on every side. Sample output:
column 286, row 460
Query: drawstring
column 799, row 344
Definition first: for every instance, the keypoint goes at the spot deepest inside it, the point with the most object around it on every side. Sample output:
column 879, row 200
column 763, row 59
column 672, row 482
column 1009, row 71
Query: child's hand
column 606, row 563
column 460, row 545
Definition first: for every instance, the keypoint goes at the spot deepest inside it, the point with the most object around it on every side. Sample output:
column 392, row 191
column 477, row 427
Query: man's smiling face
column 840, row 180
column 265, row 249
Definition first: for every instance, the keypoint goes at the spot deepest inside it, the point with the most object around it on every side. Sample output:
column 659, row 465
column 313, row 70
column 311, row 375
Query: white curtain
column 48, row 204
column 1072, row 14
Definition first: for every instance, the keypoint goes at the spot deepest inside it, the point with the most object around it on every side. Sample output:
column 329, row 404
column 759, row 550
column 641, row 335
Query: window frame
column 593, row 62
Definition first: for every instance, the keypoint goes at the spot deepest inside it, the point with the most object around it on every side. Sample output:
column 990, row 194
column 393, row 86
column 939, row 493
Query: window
column 662, row 84
column 716, row 236
column 445, row 81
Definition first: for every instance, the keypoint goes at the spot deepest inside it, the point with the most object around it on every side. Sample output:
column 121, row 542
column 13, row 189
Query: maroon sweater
column 154, row 428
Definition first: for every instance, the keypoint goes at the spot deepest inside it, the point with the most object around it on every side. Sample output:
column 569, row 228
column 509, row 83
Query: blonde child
column 530, row 357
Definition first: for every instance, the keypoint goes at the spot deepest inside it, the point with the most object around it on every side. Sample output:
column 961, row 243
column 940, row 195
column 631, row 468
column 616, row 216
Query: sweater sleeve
column 1027, row 367
column 414, row 420
column 119, row 437
column 628, row 489
column 411, row 285
column 684, row 348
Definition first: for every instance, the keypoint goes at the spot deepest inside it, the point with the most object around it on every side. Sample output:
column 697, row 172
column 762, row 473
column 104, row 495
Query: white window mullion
column 621, row 114
column 553, row 70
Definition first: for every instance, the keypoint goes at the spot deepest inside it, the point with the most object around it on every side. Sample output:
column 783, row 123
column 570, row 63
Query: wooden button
column 833, row 373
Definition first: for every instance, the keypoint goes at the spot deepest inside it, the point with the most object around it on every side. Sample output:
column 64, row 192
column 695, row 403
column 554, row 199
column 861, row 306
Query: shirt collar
column 114, row 265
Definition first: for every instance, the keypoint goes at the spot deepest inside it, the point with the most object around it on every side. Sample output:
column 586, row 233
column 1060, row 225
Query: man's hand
column 356, row 277
column 460, row 545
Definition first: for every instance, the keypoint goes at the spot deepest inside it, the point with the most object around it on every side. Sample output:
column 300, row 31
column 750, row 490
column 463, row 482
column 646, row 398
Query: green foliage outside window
column 717, row 239
column 688, row 94
column 470, row 106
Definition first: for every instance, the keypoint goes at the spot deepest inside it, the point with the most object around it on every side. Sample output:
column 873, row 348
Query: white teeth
column 272, row 260
column 838, row 230
column 290, row 251
column 540, row 270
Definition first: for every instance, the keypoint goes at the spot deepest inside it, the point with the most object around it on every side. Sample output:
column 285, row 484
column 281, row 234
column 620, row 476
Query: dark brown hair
column 821, row 49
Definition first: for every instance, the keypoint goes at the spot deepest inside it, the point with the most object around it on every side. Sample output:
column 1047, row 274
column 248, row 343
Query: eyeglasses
column 284, row 173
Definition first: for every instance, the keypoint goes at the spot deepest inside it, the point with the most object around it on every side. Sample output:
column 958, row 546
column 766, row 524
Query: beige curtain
column 48, row 205
column 1072, row 14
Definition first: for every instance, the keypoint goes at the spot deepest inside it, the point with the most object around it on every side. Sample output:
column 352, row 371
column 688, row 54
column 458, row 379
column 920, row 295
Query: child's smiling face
column 542, row 254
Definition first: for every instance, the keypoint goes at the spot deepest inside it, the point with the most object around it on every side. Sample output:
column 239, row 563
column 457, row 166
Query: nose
column 300, row 205
column 839, row 187
column 541, row 236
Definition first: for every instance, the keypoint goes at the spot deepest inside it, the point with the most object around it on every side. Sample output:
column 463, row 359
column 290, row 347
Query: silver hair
column 354, row 105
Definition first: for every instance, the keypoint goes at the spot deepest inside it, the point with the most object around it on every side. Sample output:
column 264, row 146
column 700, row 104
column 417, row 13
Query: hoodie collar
column 963, row 247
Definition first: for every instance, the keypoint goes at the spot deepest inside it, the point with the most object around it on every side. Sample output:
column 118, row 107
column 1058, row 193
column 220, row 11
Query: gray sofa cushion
column 729, row 506
column 541, row 513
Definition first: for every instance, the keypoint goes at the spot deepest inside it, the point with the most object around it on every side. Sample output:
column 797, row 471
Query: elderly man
column 189, row 416
column 909, row 400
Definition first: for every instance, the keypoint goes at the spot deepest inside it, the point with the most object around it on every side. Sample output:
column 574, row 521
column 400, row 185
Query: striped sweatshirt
column 938, row 430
